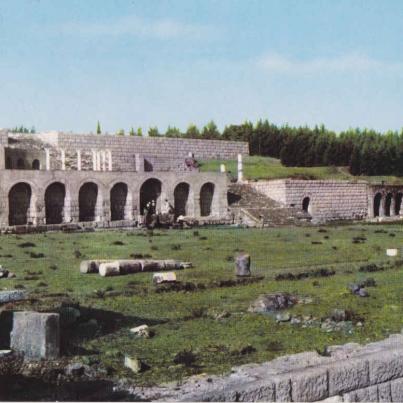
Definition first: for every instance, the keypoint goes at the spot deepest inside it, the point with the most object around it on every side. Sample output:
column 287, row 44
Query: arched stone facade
column 103, row 198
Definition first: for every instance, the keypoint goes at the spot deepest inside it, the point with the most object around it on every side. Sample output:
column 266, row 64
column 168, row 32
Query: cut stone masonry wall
column 328, row 199
column 373, row 372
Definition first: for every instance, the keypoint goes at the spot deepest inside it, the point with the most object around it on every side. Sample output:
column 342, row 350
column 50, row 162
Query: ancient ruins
column 53, row 179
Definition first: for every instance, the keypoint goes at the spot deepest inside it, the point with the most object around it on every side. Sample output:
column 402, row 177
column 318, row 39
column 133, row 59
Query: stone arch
column 181, row 199
column 87, row 201
column 55, row 195
column 377, row 204
column 150, row 191
column 20, row 163
column 206, row 199
column 19, row 202
column 36, row 165
column 306, row 204
column 388, row 204
column 118, row 201
column 398, row 203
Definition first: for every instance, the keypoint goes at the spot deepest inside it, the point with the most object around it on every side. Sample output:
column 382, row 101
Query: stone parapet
column 373, row 372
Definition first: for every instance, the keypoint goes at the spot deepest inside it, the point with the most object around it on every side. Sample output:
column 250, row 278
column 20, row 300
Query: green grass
column 185, row 320
column 270, row 168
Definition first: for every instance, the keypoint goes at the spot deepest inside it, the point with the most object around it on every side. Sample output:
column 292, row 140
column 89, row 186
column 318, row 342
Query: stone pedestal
column 35, row 334
column 242, row 265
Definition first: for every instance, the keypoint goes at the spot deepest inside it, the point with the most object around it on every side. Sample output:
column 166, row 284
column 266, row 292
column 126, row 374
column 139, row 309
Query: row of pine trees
column 365, row 152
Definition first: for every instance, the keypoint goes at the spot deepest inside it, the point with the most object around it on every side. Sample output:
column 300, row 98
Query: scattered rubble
column 273, row 302
column 4, row 273
column 12, row 296
column 135, row 364
column 358, row 289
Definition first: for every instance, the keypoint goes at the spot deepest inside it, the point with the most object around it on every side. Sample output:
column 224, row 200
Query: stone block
column 396, row 389
column 309, row 385
column 348, row 375
column 167, row 277
column 11, row 296
column 384, row 392
column 369, row 394
column 385, row 365
column 252, row 392
column 90, row 266
column 36, row 334
column 282, row 385
column 108, row 269
column 391, row 252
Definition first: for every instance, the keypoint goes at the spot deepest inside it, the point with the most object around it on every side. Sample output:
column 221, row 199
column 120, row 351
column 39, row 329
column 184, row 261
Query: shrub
column 185, row 357
column 36, row 255
column 27, row 245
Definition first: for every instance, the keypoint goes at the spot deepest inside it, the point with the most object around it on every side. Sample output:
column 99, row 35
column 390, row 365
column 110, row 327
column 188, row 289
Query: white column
column 63, row 158
column 47, row 153
column 240, row 168
column 103, row 155
column 222, row 168
column 138, row 163
column 94, row 160
column 109, row 160
column 98, row 160
column 78, row 160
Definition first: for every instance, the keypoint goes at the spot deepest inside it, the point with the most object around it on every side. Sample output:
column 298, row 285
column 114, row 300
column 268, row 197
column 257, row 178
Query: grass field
column 270, row 168
column 185, row 321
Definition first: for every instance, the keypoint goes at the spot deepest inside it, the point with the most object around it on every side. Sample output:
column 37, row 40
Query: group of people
column 152, row 218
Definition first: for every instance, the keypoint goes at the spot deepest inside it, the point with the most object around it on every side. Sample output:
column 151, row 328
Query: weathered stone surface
column 133, row 363
column 391, row 252
column 242, row 265
column 129, row 266
column 386, row 366
column 273, row 302
column 36, row 334
column 11, row 296
column 90, row 266
column 384, row 392
column 141, row 331
column 342, row 376
column 109, row 269
column 348, row 375
column 309, row 385
column 168, row 277
column 369, row 394
column 396, row 389
column 152, row 265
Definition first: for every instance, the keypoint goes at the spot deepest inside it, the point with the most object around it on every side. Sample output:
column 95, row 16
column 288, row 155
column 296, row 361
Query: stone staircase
column 255, row 209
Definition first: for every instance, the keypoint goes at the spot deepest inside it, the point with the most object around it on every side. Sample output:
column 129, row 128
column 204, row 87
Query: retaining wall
column 351, row 372
column 328, row 199
column 168, row 147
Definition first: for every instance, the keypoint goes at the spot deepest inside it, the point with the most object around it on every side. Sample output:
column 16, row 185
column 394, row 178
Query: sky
column 64, row 65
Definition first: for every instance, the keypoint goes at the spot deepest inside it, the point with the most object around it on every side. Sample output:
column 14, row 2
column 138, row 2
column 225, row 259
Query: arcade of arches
column 387, row 204
column 57, row 204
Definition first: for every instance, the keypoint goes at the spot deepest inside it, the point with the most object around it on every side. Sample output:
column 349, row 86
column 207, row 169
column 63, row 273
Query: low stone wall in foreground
column 349, row 373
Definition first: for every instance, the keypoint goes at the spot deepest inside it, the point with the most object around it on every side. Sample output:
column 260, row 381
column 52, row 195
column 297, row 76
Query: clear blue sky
column 66, row 64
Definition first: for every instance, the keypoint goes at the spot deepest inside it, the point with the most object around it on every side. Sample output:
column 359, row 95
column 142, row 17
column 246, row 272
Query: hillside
column 257, row 167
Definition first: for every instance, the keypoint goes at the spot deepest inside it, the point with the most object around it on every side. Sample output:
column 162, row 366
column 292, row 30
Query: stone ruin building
column 56, row 179
column 53, row 179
